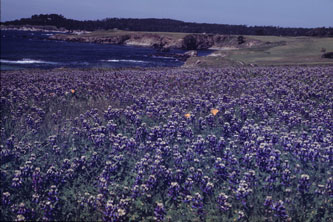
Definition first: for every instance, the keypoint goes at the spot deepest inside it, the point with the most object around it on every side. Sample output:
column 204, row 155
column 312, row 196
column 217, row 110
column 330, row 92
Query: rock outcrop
column 163, row 42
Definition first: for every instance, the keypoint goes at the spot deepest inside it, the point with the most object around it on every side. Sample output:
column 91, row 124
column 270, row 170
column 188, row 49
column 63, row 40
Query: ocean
column 25, row 49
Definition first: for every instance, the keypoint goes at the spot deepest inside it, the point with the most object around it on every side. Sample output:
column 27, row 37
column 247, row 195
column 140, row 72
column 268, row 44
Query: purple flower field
column 231, row 144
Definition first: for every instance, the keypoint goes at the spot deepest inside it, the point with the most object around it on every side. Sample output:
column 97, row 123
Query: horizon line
column 97, row 19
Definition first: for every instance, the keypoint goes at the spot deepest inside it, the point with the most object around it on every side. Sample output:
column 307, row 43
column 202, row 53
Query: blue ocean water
column 25, row 49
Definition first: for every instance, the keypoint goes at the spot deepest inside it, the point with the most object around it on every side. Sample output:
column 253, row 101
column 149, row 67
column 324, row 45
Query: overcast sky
column 284, row 13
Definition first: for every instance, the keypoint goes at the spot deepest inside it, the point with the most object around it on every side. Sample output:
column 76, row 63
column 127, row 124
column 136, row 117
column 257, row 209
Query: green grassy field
column 284, row 51
column 295, row 50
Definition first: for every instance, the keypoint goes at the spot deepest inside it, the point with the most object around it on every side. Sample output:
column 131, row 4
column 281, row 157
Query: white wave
column 26, row 61
column 123, row 60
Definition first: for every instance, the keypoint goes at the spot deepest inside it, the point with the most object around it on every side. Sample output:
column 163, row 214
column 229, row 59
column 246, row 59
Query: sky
column 283, row 13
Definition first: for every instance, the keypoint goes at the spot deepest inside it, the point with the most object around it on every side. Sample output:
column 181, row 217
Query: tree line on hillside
column 166, row 25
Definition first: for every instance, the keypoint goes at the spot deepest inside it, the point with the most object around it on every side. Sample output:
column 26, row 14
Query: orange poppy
column 72, row 91
column 214, row 111
column 187, row 115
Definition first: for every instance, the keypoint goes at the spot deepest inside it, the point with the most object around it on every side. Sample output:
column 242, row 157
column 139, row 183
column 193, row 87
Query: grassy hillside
column 295, row 50
column 283, row 51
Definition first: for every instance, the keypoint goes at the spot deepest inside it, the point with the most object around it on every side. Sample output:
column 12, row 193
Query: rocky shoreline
column 46, row 28
column 163, row 42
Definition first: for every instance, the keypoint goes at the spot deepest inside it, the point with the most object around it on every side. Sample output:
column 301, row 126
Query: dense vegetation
column 167, row 25
column 232, row 144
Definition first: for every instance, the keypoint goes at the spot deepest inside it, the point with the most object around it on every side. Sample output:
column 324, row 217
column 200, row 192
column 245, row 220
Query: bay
column 25, row 49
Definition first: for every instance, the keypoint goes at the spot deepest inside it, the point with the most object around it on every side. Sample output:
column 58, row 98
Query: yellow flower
column 214, row 111
column 187, row 115
column 72, row 91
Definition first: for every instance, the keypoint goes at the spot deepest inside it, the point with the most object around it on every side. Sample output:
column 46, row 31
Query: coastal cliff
column 162, row 41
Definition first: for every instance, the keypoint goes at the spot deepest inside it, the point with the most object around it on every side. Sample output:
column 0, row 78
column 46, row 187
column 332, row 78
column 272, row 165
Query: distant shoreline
column 228, row 49
column 35, row 28
column 167, row 25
